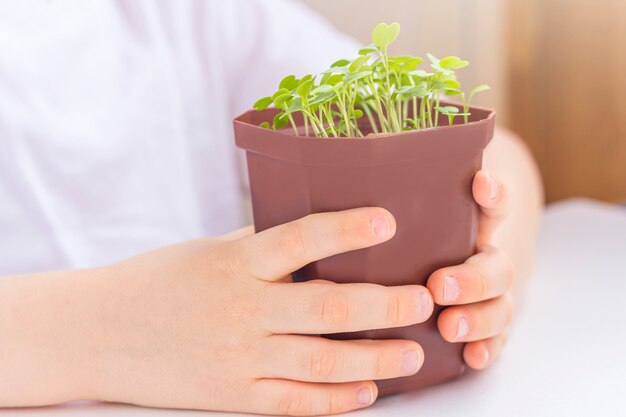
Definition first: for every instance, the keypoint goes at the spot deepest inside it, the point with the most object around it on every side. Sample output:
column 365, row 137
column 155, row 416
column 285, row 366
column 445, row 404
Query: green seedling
column 373, row 92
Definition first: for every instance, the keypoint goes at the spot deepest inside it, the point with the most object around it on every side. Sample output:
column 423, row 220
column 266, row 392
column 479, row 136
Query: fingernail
column 494, row 187
column 365, row 396
column 411, row 361
column 425, row 306
column 462, row 329
column 451, row 289
column 381, row 226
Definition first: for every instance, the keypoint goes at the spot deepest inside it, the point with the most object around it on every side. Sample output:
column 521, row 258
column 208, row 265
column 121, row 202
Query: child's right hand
column 216, row 324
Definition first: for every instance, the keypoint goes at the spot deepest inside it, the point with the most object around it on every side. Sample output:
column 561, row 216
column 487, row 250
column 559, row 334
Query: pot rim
column 488, row 114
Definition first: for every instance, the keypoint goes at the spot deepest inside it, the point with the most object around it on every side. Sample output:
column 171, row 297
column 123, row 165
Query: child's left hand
column 480, row 290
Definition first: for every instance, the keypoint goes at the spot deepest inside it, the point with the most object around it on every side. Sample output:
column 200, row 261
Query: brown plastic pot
column 424, row 178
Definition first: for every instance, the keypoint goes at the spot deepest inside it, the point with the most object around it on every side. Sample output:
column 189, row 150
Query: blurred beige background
column 557, row 69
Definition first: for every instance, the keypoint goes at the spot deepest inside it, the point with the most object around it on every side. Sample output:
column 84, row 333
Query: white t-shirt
column 115, row 119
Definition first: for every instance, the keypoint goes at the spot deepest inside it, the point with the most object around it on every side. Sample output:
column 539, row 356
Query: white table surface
column 566, row 355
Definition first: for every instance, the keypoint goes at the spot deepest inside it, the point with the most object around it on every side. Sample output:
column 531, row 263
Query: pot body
column 424, row 178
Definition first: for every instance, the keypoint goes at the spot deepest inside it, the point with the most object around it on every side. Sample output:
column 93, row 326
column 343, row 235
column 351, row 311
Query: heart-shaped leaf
column 263, row 103
column 384, row 34
column 290, row 83
column 281, row 101
column 279, row 93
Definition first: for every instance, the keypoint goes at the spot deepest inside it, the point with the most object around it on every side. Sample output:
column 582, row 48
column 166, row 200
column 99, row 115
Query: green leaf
column 417, row 91
column 420, row 73
column 438, row 85
column 280, row 93
column 296, row 105
column 263, row 103
column 340, row 63
column 281, row 100
column 357, row 114
column 335, row 79
column 452, row 84
column 447, row 110
column 370, row 49
column 322, row 98
column 357, row 76
column 305, row 79
column 325, row 88
column 411, row 123
column 356, row 65
column 265, row 125
column 479, row 89
column 384, row 34
column 290, row 83
column 452, row 63
column 280, row 121
column 410, row 63
column 305, row 88
column 452, row 92
column 394, row 65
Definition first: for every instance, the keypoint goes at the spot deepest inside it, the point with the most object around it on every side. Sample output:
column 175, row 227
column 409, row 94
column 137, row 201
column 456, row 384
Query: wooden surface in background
column 568, row 93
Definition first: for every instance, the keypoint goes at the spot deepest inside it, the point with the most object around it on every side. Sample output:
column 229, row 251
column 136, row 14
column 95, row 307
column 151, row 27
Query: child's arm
column 211, row 324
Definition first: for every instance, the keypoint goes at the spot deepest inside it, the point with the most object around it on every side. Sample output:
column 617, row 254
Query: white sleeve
column 266, row 40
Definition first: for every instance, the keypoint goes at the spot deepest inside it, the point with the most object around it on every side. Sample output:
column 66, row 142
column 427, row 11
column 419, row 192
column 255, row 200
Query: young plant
column 374, row 92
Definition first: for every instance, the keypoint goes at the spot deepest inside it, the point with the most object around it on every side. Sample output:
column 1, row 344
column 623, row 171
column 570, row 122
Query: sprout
column 374, row 91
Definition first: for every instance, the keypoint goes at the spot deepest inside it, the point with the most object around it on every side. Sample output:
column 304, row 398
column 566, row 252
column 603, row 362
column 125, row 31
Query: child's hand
column 216, row 324
column 480, row 289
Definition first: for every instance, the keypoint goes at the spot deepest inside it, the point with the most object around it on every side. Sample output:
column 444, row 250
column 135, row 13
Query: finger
column 483, row 353
column 484, row 276
column 315, row 359
column 321, row 307
column 292, row 398
column 493, row 199
column 276, row 252
column 476, row 321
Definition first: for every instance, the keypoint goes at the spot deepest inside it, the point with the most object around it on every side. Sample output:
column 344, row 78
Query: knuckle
column 294, row 403
column 335, row 405
column 324, row 363
column 334, row 309
column 345, row 232
column 291, row 242
column 394, row 310
column 381, row 366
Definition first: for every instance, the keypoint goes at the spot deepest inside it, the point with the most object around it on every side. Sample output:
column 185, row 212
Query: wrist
column 46, row 324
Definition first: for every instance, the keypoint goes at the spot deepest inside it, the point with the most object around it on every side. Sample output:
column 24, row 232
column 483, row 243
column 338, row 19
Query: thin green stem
column 370, row 117
column 437, row 93
column 293, row 125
